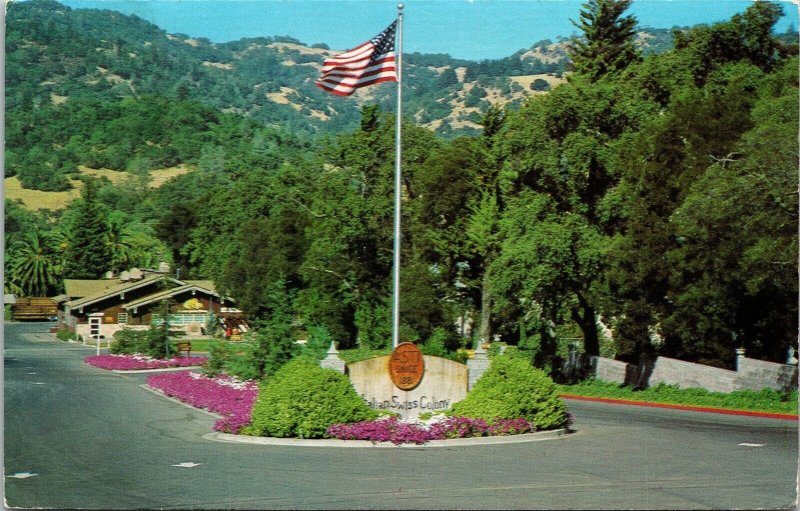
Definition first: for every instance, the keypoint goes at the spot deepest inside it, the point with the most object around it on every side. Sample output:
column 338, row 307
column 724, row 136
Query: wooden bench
column 185, row 346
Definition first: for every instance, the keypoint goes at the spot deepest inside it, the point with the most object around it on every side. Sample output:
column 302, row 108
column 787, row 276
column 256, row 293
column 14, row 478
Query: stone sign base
column 444, row 383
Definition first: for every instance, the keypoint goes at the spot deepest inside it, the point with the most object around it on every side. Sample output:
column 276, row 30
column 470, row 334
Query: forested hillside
column 76, row 65
column 652, row 195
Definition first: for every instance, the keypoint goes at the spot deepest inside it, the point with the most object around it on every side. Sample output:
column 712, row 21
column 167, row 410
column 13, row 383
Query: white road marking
column 746, row 444
column 31, row 373
column 38, row 383
column 22, row 475
column 187, row 464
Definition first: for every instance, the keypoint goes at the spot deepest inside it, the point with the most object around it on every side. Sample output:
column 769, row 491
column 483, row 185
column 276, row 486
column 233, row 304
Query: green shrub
column 149, row 342
column 302, row 399
column 128, row 342
column 217, row 356
column 512, row 388
column 232, row 359
column 65, row 335
column 319, row 341
column 436, row 346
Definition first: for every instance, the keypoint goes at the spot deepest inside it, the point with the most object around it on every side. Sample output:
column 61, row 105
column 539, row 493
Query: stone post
column 739, row 357
column 477, row 365
column 791, row 359
column 332, row 360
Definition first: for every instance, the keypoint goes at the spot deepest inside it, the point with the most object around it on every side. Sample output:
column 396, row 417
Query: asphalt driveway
column 80, row 437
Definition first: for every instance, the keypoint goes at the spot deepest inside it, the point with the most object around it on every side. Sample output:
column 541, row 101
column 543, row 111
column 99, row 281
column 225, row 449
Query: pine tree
column 88, row 256
column 607, row 45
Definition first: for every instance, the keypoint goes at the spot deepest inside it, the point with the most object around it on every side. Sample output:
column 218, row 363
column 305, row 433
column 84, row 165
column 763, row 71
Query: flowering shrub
column 223, row 394
column 393, row 430
column 136, row 362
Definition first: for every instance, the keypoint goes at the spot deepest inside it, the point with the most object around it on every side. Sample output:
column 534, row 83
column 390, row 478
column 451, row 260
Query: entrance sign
column 406, row 366
column 444, row 382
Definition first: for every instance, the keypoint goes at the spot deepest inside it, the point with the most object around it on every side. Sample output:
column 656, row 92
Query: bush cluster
column 511, row 389
column 237, row 360
column 147, row 342
column 65, row 335
column 302, row 400
column 128, row 342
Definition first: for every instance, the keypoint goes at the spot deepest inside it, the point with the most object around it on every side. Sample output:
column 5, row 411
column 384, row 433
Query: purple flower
column 398, row 432
column 225, row 395
column 137, row 362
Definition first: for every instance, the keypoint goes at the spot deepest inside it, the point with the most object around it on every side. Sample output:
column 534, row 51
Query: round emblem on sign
column 406, row 366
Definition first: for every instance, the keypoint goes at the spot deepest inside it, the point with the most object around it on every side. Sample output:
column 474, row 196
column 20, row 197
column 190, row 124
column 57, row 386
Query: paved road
column 96, row 439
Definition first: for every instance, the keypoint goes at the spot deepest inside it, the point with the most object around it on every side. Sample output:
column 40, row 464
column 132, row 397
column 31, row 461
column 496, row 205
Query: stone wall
column 751, row 374
column 686, row 374
column 607, row 369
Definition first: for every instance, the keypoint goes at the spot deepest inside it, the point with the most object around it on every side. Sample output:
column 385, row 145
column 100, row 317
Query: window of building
column 182, row 318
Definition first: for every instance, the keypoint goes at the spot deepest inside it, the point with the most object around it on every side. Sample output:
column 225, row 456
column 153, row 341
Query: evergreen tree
column 88, row 256
column 608, row 38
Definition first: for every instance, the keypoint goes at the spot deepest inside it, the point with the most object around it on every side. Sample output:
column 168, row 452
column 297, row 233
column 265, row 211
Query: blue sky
column 468, row 29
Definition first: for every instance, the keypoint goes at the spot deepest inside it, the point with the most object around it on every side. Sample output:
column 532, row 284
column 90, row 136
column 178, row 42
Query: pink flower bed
column 224, row 395
column 398, row 432
column 134, row 362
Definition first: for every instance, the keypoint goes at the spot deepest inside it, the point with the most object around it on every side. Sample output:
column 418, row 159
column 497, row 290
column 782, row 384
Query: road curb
column 702, row 409
column 329, row 442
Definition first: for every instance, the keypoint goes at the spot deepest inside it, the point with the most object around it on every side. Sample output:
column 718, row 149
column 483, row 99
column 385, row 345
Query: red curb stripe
column 705, row 409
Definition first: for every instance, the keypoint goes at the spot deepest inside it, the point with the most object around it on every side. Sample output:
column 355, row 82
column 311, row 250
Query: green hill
column 102, row 89
column 55, row 54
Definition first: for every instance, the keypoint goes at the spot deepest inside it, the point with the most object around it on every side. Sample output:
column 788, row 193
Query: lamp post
column 166, row 328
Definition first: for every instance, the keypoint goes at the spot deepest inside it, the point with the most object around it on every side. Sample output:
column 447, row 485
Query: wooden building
column 137, row 300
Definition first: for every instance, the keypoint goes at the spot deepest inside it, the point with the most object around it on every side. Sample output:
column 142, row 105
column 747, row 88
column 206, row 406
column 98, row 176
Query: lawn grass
column 199, row 344
column 767, row 400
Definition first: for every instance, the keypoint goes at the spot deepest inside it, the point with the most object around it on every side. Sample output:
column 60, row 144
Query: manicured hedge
column 302, row 400
column 511, row 389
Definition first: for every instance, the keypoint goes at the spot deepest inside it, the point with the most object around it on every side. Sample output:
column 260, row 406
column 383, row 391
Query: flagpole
column 397, row 184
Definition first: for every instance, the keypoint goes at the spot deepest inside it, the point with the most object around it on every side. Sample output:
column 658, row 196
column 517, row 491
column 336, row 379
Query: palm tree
column 131, row 243
column 32, row 265
column 120, row 240
column 60, row 239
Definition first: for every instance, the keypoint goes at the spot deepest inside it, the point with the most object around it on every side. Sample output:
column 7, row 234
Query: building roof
column 161, row 295
column 117, row 289
column 75, row 288
column 205, row 284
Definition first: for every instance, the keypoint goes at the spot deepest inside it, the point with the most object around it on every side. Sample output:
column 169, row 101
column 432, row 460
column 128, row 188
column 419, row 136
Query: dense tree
column 88, row 255
column 734, row 264
column 606, row 45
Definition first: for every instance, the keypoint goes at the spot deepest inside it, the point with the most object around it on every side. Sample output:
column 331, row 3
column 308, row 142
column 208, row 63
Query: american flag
column 366, row 64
